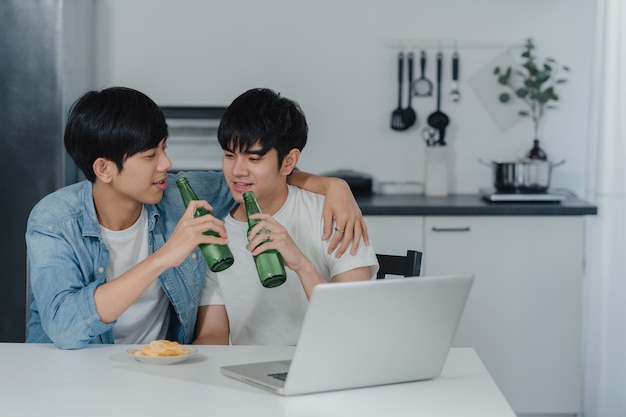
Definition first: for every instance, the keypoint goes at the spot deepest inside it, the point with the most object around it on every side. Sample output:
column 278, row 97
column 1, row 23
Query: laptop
column 366, row 333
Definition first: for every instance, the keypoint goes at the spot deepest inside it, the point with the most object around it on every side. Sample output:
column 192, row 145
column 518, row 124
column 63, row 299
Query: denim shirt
column 68, row 261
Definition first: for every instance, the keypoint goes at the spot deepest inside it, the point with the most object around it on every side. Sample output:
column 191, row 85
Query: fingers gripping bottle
column 269, row 264
column 217, row 257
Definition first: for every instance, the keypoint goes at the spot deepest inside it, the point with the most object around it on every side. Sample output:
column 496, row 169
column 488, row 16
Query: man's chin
column 153, row 199
column 238, row 197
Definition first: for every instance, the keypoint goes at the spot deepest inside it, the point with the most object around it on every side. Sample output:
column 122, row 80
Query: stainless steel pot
column 524, row 176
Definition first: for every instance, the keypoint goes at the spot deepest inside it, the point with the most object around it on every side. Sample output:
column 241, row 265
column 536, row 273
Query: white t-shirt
column 146, row 319
column 274, row 316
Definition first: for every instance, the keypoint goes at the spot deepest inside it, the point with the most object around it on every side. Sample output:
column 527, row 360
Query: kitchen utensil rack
column 415, row 44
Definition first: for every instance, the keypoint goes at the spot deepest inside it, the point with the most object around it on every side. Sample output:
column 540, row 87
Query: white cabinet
column 394, row 235
column 523, row 315
column 524, row 312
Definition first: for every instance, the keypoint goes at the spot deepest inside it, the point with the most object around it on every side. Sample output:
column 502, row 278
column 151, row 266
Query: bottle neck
column 251, row 207
column 250, row 204
column 186, row 192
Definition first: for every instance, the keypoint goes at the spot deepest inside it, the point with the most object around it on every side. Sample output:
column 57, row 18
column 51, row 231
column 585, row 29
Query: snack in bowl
column 162, row 348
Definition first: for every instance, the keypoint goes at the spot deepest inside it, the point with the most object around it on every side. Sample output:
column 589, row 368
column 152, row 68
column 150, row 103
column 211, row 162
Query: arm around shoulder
column 316, row 183
column 343, row 219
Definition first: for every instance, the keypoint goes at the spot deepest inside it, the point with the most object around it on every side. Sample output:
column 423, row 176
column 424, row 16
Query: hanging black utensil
column 423, row 87
column 455, row 94
column 439, row 120
column 397, row 116
column 409, row 115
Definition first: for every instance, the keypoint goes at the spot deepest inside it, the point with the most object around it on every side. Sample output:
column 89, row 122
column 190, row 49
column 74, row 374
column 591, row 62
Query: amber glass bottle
column 536, row 152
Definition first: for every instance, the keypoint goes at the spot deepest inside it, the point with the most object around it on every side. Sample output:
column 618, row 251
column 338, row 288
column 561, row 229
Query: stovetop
column 493, row 195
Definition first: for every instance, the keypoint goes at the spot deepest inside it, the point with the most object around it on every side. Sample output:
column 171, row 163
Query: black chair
column 407, row 266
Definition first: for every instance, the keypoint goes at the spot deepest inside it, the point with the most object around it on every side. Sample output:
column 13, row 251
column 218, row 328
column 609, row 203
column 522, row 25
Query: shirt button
column 193, row 256
column 101, row 269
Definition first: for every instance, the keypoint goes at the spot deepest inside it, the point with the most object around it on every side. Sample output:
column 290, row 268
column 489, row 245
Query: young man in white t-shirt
column 262, row 135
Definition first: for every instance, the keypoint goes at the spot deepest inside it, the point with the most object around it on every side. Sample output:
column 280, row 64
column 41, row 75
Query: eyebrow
column 258, row 152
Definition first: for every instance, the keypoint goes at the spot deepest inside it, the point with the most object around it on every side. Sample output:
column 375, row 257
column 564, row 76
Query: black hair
column 114, row 123
column 262, row 116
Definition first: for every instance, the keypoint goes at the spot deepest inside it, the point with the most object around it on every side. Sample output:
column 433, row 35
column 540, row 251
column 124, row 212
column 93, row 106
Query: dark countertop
column 466, row 205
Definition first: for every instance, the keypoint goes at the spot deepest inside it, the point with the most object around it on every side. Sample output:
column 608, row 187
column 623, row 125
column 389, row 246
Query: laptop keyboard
column 281, row 375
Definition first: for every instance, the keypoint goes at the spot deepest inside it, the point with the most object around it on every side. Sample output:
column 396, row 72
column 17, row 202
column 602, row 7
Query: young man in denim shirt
column 114, row 258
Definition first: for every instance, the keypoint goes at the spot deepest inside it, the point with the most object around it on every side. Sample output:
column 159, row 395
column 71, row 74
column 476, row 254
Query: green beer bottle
column 217, row 257
column 269, row 264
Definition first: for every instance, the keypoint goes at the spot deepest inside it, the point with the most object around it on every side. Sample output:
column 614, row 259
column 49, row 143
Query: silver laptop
column 367, row 333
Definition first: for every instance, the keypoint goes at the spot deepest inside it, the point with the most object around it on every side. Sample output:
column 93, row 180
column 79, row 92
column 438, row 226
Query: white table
column 103, row 380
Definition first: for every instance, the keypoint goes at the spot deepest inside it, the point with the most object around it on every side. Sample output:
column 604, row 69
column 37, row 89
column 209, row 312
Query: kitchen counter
column 466, row 205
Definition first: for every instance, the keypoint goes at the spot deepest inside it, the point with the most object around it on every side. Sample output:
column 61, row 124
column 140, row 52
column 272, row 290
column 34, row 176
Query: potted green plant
column 538, row 84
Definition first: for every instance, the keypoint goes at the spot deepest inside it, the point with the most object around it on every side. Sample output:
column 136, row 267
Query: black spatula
column 397, row 116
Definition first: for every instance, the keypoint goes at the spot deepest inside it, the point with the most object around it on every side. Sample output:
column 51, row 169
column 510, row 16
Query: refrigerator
column 46, row 63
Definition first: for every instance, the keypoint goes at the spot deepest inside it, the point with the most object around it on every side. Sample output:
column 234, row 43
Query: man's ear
column 290, row 161
column 103, row 169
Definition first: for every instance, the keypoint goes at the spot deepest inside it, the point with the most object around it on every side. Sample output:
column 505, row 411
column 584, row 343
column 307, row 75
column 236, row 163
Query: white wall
column 337, row 58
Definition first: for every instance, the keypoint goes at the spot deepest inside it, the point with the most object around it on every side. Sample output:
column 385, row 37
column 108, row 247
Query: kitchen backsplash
column 341, row 67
